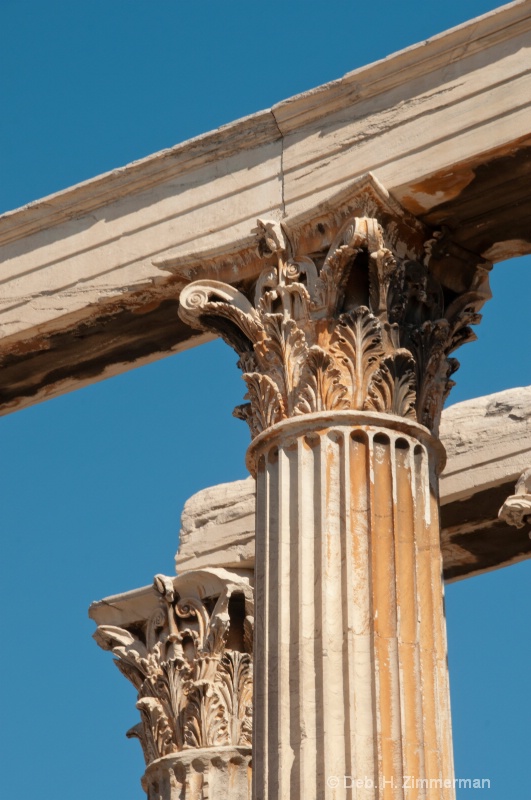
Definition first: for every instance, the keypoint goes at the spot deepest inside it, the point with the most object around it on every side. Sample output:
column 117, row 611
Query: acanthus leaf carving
column 357, row 345
column 282, row 354
column 392, row 386
column 322, row 388
column 371, row 328
column 139, row 732
column 428, row 343
column 193, row 690
column 384, row 271
column 159, row 734
column 266, row 404
column 356, row 234
column 236, row 689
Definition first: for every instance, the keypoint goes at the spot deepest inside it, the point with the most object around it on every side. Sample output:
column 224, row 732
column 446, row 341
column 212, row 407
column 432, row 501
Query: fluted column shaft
column 203, row 774
column 351, row 694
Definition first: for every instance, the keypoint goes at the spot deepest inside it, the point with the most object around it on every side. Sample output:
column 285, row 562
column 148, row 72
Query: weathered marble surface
column 186, row 645
column 84, row 296
column 219, row 772
column 516, row 509
column 487, row 441
column 488, row 444
column 217, row 527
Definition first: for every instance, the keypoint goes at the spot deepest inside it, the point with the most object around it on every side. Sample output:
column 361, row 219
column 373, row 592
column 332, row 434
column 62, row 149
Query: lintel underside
column 442, row 125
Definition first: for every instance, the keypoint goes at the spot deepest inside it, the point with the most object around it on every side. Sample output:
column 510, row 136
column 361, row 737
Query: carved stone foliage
column 517, row 508
column 191, row 663
column 351, row 328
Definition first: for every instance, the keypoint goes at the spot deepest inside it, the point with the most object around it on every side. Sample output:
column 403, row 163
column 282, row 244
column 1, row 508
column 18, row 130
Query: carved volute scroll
column 191, row 663
column 517, row 508
column 354, row 327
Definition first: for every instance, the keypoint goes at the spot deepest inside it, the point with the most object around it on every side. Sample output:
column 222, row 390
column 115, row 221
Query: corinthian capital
column 190, row 661
column 350, row 311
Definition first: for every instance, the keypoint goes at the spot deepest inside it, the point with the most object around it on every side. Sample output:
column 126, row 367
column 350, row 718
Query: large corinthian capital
column 350, row 311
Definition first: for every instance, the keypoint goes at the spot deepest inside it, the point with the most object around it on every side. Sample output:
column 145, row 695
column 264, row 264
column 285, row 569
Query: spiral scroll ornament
column 357, row 327
column 194, row 690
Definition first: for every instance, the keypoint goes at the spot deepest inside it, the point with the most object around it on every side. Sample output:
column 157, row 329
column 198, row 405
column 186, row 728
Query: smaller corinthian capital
column 190, row 660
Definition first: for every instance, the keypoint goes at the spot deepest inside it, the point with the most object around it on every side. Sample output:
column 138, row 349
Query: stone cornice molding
column 82, row 296
column 312, row 229
column 357, row 307
column 190, row 661
column 267, row 126
column 436, row 53
column 139, row 176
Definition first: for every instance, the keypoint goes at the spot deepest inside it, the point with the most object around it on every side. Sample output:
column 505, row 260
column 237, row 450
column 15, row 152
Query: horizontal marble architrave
column 83, row 297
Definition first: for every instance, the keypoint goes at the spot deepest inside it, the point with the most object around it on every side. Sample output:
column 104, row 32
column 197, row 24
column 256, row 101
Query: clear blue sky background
column 92, row 484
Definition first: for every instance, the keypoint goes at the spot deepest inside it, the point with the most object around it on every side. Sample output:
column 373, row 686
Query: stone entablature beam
column 83, row 294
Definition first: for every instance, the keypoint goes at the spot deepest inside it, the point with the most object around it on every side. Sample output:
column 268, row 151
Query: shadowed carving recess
column 191, row 663
column 353, row 328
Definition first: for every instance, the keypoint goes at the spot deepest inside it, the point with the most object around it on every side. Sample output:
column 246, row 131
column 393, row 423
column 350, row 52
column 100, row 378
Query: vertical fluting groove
column 295, row 641
column 377, row 717
column 273, row 632
column 318, row 605
column 269, row 622
column 321, row 535
column 306, row 631
column 346, row 604
column 284, row 699
column 347, row 601
column 363, row 710
column 426, row 618
column 385, row 619
column 407, row 602
column 441, row 650
column 261, row 628
column 416, row 516
column 418, row 663
column 332, row 610
column 320, row 532
column 399, row 792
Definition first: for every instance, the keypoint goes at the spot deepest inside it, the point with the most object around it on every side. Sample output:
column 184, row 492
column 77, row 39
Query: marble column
column 351, row 689
column 344, row 342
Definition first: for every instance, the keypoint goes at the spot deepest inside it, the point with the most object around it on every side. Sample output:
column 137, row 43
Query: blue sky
column 92, row 484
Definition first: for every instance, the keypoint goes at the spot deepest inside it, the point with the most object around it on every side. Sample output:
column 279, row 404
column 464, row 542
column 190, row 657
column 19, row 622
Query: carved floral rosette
column 191, row 663
column 356, row 327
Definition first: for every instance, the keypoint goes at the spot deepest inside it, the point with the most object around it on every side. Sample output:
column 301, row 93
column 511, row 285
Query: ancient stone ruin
column 303, row 637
